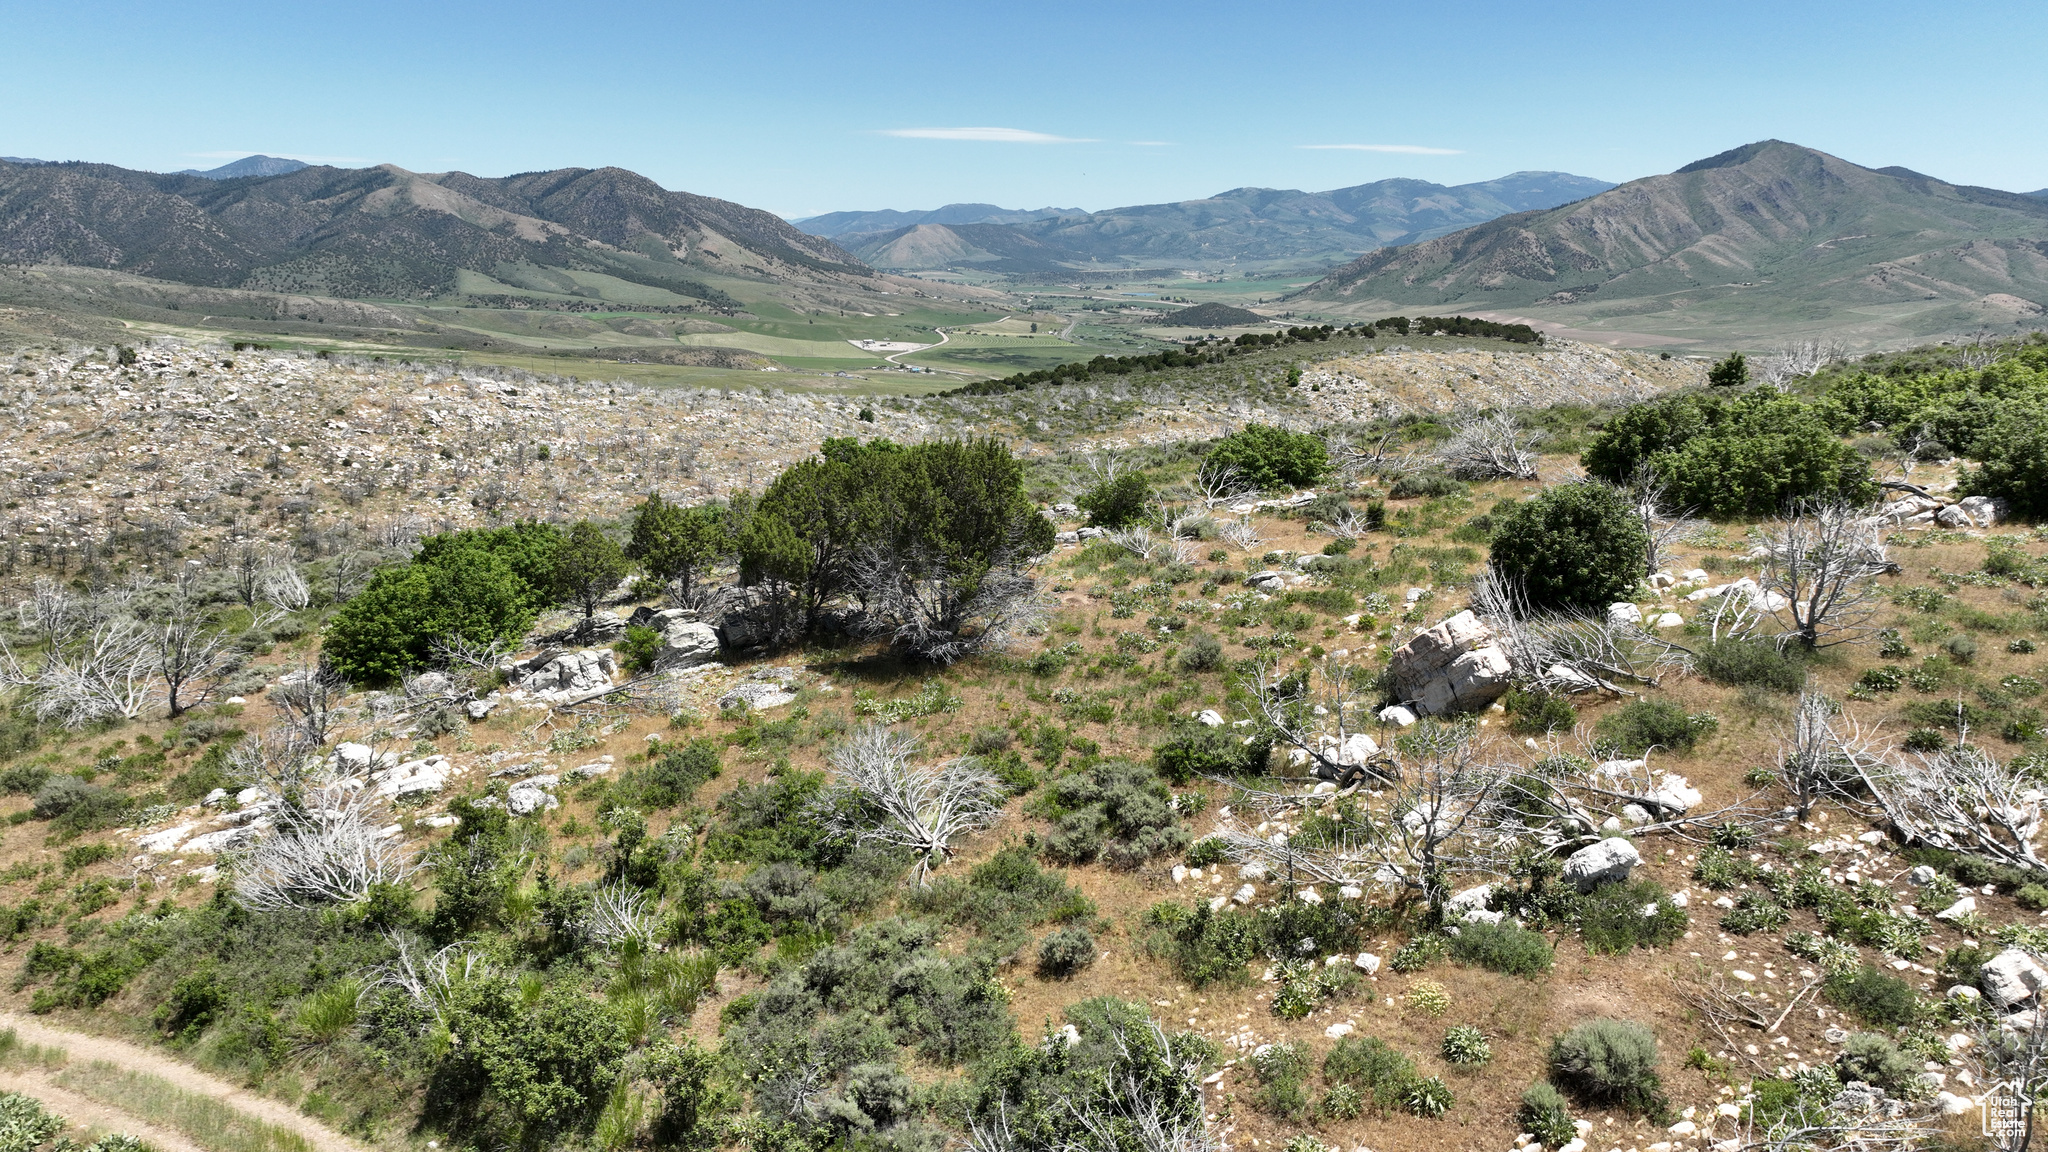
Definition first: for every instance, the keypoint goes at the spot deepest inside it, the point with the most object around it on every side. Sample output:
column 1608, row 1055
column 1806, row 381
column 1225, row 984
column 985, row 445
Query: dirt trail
column 86, row 1113
column 83, row 1047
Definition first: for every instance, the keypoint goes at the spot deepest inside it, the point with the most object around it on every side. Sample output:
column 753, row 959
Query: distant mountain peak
column 257, row 165
column 25, row 160
column 1737, row 156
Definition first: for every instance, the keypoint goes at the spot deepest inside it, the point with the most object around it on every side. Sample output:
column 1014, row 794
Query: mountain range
column 1766, row 234
column 387, row 233
column 1244, row 227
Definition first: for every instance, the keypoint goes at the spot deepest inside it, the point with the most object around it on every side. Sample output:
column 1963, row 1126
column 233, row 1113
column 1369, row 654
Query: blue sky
column 811, row 107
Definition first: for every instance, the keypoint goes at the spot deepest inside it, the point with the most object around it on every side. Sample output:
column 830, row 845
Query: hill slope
column 833, row 225
column 1259, row 226
column 258, row 165
column 984, row 247
column 1769, row 230
column 388, row 233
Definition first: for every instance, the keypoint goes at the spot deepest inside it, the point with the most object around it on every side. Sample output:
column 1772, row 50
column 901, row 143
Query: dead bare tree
column 1824, row 562
column 939, row 615
column 1490, row 447
column 1826, row 755
column 308, row 700
column 881, row 798
column 1650, row 498
column 1570, row 652
column 1241, row 534
column 245, row 573
column 429, row 980
column 330, row 850
column 1219, row 484
column 98, row 673
column 1963, row 800
column 1796, row 361
column 282, row 587
column 1324, row 714
column 187, row 650
column 1443, row 814
column 619, row 914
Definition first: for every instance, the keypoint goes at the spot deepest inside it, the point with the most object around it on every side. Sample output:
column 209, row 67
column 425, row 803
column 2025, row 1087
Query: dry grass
column 209, row 1122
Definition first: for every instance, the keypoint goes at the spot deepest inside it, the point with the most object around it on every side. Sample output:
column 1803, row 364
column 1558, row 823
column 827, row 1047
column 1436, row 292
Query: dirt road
column 81, row 1047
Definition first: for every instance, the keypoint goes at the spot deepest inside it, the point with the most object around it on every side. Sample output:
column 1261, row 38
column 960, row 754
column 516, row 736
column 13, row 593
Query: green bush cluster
column 1576, row 546
column 1747, row 455
column 1641, row 725
column 1503, row 947
column 1116, row 811
column 1609, row 1063
column 1271, row 458
column 1194, row 749
column 1746, row 662
column 1618, row 918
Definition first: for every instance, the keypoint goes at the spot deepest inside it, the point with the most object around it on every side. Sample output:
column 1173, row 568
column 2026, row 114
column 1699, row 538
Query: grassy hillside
column 673, row 953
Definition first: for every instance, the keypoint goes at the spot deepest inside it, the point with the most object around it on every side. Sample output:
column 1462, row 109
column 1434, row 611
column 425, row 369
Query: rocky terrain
column 193, row 446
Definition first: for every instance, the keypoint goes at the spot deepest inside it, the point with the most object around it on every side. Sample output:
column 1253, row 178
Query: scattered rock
column 1957, row 910
column 1623, row 613
column 758, row 694
column 1396, row 715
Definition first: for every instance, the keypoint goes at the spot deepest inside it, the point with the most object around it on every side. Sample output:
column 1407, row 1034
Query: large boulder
column 573, row 673
column 1984, row 511
column 686, row 644
column 1611, row 859
column 1452, row 667
column 2012, row 977
column 748, row 617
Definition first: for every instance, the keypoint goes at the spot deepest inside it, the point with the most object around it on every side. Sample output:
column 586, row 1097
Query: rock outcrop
column 1452, row 667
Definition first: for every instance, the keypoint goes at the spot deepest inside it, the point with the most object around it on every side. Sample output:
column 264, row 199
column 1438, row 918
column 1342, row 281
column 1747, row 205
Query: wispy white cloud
column 990, row 135
column 1404, row 149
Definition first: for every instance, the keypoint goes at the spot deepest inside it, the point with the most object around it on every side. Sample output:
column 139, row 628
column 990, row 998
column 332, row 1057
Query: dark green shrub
column 77, row 804
column 1065, row 951
column 1746, row 455
column 1544, row 1115
column 1204, row 946
column 989, row 740
column 1641, row 725
column 1424, row 484
column 1116, row 810
column 1268, row 457
column 2014, row 456
column 1116, row 503
column 1612, row 1063
column 1873, row 996
column 2032, row 897
column 1877, row 1061
column 1207, row 851
column 638, row 648
column 1755, row 912
column 677, row 772
column 23, row 779
column 1326, row 508
column 1924, row 740
column 1201, row 652
column 1418, row 954
column 1380, row 1074
column 1732, row 372
column 1503, row 947
column 1742, row 662
column 1535, row 712
column 1611, row 919
column 1197, row 750
column 1575, row 546
column 1282, row 1070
